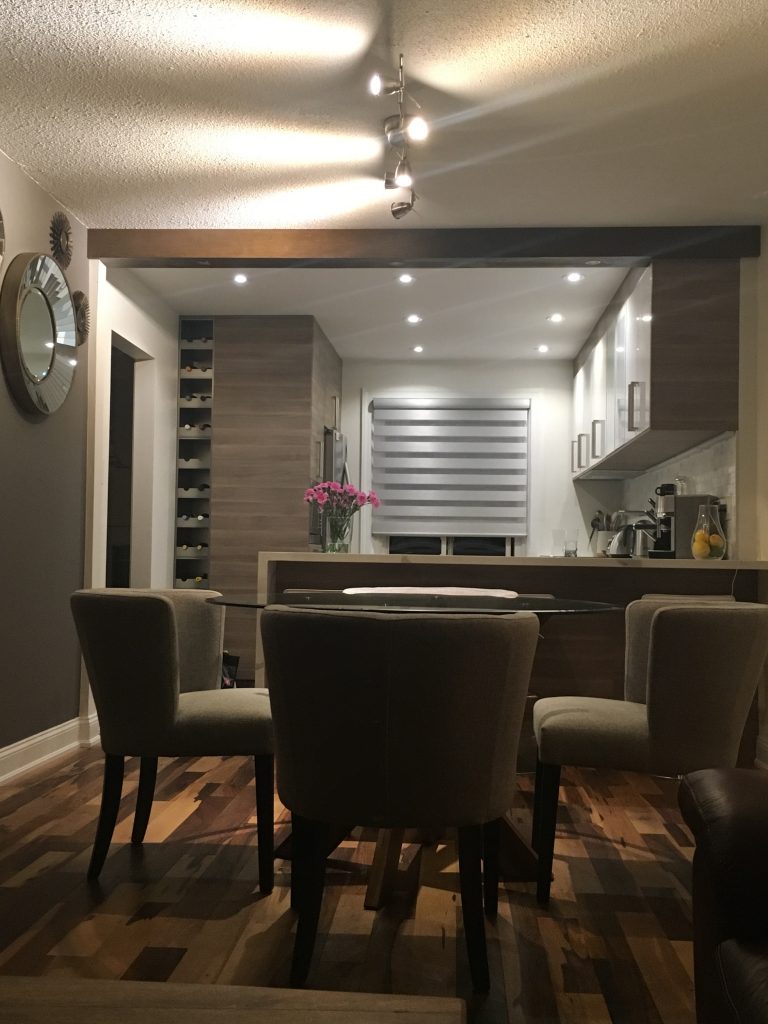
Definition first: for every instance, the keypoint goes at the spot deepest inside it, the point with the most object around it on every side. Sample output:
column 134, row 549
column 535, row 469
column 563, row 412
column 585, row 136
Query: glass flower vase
column 708, row 540
column 337, row 534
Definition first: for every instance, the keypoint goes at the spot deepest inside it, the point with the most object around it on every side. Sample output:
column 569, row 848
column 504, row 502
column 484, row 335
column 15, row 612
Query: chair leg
column 264, row 766
column 114, row 767
column 548, row 789
column 144, row 798
column 491, row 840
column 470, row 854
column 310, row 842
column 536, row 824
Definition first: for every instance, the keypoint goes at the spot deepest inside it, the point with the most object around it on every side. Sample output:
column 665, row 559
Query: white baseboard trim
column 45, row 746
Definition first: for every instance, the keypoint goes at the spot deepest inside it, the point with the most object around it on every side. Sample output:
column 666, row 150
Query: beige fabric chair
column 691, row 671
column 396, row 719
column 154, row 663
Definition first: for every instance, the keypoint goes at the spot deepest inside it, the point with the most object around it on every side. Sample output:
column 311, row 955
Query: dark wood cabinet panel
column 273, row 378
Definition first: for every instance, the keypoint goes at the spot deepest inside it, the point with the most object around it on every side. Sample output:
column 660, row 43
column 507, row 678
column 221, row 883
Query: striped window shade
column 451, row 467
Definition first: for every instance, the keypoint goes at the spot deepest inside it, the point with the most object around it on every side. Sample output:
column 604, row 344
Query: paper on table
column 450, row 591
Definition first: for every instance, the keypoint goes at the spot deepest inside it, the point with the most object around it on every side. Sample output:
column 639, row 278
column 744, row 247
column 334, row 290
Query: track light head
column 378, row 86
column 403, row 174
column 399, row 210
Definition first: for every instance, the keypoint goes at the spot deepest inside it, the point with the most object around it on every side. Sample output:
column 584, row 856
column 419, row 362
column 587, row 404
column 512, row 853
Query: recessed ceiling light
column 418, row 348
column 594, row 263
column 555, row 318
column 619, row 348
column 543, row 348
column 646, row 318
column 574, row 277
column 413, row 318
column 405, row 279
column 240, row 279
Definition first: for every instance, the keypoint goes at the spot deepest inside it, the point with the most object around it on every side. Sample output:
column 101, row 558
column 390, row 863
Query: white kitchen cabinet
column 661, row 368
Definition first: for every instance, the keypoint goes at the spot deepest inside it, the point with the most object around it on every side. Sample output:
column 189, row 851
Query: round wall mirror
column 37, row 333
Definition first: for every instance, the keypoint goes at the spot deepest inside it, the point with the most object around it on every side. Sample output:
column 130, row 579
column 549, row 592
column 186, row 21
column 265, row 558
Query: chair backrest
column 134, row 644
column 638, row 618
column 705, row 663
column 397, row 719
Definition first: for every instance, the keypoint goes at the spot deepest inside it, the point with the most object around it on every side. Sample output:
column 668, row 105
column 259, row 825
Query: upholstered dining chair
column 153, row 659
column 396, row 719
column 691, row 671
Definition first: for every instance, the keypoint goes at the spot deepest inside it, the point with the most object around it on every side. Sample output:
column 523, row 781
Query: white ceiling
column 478, row 314
column 227, row 113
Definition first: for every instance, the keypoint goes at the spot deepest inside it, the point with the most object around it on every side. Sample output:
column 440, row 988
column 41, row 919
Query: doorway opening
column 120, row 477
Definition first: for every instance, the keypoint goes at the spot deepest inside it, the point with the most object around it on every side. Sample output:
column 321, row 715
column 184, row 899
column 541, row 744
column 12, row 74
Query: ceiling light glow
column 413, row 318
column 291, row 148
column 556, row 318
column 543, row 348
column 405, row 279
column 574, row 277
column 240, row 279
column 418, row 348
column 646, row 318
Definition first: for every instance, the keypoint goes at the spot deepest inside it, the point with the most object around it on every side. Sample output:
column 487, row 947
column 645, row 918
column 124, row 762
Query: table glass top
column 337, row 600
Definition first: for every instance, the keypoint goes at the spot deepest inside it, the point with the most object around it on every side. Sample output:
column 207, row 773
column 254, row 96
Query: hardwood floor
column 613, row 948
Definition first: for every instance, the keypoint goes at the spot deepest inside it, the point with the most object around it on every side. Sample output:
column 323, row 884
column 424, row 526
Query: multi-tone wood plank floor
column 614, row 946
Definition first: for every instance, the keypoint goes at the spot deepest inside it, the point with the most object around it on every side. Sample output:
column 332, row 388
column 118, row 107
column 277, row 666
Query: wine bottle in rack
column 202, row 515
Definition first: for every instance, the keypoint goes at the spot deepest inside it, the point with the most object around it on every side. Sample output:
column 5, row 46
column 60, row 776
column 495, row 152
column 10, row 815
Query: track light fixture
column 400, row 129
column 400, row 209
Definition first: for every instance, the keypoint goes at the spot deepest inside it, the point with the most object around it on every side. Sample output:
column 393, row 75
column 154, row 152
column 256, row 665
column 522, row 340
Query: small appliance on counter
column 626, row 522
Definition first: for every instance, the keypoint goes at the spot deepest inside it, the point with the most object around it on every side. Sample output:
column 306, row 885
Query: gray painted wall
column 42, row 487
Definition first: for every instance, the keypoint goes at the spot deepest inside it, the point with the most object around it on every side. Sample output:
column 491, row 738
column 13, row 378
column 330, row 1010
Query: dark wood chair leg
column 144, row 798
column 491, row 842
column 470, row 880
column 114, row 767
column 548, row 786
column 536, row 824
column 310, row 841
column 264, row 767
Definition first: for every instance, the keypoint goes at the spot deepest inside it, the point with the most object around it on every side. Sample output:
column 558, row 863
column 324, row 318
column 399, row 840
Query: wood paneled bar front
column 577, row 654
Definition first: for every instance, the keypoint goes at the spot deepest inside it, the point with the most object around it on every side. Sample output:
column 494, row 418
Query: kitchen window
column 454, row 467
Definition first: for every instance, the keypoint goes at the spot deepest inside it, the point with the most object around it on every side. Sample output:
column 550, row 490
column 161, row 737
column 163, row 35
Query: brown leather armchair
column 727, row 811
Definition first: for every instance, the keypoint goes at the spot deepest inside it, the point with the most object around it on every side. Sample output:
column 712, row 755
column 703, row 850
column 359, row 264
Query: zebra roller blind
column 454, row 467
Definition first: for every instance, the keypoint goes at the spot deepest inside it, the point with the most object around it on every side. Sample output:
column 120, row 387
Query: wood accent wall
column 272, row 379
column 695, row 337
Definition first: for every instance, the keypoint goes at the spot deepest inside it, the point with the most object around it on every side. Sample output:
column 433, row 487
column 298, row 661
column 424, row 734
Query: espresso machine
column 664, row 546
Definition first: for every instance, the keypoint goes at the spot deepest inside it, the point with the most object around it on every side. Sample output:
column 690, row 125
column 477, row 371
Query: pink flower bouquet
column 337, row 504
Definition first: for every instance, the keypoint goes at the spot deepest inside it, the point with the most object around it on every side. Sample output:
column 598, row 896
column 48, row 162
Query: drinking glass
column 571, row 544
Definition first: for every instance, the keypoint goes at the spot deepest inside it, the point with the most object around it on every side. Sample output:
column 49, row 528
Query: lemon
column 715, row 540
column 700, row 549
column 701, row 535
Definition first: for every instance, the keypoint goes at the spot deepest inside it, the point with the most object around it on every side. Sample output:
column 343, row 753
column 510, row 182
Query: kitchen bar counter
column 577, row 654
column 620, row 579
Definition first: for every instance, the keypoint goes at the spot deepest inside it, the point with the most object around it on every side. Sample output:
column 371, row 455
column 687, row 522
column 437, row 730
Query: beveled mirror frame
column 37, row 394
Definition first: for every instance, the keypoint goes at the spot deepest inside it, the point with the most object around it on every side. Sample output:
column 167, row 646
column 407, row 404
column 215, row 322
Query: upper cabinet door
column 597, row 402
column 631, row 363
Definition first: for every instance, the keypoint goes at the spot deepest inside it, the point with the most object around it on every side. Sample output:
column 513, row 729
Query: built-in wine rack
column 193, row 460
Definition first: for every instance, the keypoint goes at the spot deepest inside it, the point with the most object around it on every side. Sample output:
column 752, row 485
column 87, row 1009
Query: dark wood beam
column 427, row 247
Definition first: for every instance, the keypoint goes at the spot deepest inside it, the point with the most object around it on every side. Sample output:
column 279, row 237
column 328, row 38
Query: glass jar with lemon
column 708, row 540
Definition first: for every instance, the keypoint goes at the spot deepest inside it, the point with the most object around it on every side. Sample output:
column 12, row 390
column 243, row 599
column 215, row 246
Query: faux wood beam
column 425, row 247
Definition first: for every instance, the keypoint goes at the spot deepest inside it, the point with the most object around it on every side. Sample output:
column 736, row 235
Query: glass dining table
column 517, row 858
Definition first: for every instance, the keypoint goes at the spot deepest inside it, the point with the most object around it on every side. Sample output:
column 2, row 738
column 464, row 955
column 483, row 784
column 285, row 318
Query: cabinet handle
column 595, row 453
column 632, row 390
column 574, row 465
column 583, row 449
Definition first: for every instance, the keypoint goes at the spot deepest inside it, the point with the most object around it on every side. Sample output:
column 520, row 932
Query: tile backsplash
column 709, row 468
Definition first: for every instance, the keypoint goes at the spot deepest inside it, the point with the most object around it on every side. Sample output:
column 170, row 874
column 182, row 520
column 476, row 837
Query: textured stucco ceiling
column 216, row 113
